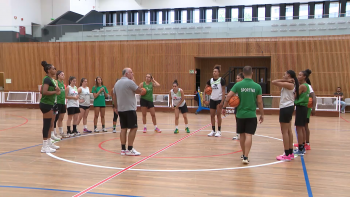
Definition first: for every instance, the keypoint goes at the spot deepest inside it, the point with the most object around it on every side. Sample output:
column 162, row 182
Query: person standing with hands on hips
column 249, row 93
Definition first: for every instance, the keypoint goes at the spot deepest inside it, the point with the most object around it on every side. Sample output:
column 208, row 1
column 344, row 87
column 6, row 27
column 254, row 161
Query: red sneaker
column 307, row 147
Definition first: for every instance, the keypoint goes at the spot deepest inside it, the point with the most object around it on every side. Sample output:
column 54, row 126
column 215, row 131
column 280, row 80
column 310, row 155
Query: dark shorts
column 286, row 114
column 308, row 120
column 128, row 119
column 235, row 110
column 115, row 117
column 84, row 107
column 145, row 103
column 300, row 116
column 61, row 108
column 73, row 110
column 247, row 125
column 45, row 107
column 213, row 104
column 183, row 109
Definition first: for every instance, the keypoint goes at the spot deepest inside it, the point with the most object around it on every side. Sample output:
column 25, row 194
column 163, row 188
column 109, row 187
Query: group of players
column 295, row 93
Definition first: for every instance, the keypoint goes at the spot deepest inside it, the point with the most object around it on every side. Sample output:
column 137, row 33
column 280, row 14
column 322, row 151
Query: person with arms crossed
column 249, row 93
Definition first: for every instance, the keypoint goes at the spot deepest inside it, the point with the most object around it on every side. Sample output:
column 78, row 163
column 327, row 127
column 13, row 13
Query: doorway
column 2, row 81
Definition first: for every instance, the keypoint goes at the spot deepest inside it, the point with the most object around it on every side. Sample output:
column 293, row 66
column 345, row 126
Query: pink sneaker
column 144, row 129
column 291, row 156
column 157, row 130
column 307, row 147
column 283, row 158
column 87, row 131
column 296, row 145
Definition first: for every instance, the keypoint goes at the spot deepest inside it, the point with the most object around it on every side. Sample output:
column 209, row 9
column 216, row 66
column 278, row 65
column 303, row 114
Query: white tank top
column 287, row 98
column 72, row 92
column 85, row 95
column 177, row 98
column 216, row 93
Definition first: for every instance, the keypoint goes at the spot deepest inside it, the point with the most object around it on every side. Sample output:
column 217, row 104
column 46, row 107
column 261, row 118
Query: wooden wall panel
column 327, row 57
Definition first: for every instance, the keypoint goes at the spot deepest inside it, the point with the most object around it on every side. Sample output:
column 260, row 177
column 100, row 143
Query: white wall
column 109, row 5
column 53, row 9
column 82, row 6
column 5, row 15
column 29, row 10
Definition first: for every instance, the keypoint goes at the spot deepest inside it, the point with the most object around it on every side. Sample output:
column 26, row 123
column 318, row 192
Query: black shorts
column 84, row 107
column 61, row 108
column 213, row 104
column 286, row 114
column 247, row 125
column 308, row 120
column 115, row 117
column 235, row 110
column 145, row 103
column 73, row 110
column 100, row 106
column 183, row 109
column 45, row 107
column 128, row 119
column 300, row 116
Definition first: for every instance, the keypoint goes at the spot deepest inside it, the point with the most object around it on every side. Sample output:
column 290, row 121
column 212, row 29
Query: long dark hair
column 306, row 73
column 308, row 81
column 46, row 66
column 71, row 79
column 296, row 85
column 81, row 81
column 96, row 84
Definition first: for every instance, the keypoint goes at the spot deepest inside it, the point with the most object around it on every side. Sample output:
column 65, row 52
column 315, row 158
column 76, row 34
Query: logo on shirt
column 247, row 90
column 102, row 94
column 214, row 87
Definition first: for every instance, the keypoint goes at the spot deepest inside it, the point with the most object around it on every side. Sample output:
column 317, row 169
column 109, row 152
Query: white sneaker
column 104, row 130
column 211, row 134
column 122, row 152
column 47, row 149
column 218, row 134
column 132, row 152
column 114, row 131
column 55, row 137
column 77, row 133
column 236, row 137
column 96, row 131
column 53, row 146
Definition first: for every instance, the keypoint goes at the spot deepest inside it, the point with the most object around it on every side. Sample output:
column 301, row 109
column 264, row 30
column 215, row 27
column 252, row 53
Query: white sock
column 54, row 130
column 176, row 126
column 49, row 142
column 155, row 126
column 85, row 126
column 44, row 143
column 60, row 129
column 52, row 133
column 186, row 125
column 144, row 126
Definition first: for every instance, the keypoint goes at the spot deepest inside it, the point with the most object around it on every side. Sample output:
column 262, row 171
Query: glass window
column 348, row 8
column 261, row 13
column 136, row 18
column 221, row 14
column 333, row 9
column 125, row 18
column 304, row 11
column 318, row 10
column 275, row 13
column 248, row 13
column 171, row 16
column 147, row 18
column 159, row 17
column 183, row 16
column 196, row 16
column 289, row 12
column 208, row 15
column 234, row 14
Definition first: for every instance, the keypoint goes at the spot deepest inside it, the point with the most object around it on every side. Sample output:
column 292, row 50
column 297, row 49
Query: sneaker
column 242, row 157
column 297, row 152
column 307, row 147
column 291, row 156
column 211, row 134
column 283, row 158
column 104, row 130
column 132, row 152
column 122, row 152
column 144, row 130
column 77, row 133
column 65, row 135
column 245, row 161
column 156, row 130
column 176, row 131
column 87, row 131
column 187, row 130
column 47, row 149
column 96, row 131
column 55, row 138
column 236, row 137
column 114, row 131
column 218, row 134
column 53, row 146
column 70, row 134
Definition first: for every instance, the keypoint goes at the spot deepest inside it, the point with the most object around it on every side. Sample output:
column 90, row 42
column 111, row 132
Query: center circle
column 192, row 157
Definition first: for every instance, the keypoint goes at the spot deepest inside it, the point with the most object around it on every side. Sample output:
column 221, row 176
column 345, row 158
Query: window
column 196, row 16
column 208, row 15
column 159, row 17
column 289, row 12
column 221, row 14
column 248, row 13
column 147, row 18
column 183, row 16
column 348, row 8
column 318, row 10
column 125, row 18
column 261, row 13
column 171, row 16
column 333, row 9
column 136, row 18
column 275, row 13
column 234, row 14
column 304, row 11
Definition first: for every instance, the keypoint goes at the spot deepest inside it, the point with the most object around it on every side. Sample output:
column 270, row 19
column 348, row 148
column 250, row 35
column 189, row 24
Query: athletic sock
column 68, row 129
column 129, row 147
column 95, row 126
column 219, row 128
column 85, row 126
column 155, row 126
column 103, row 126
column 74, row 128
column 301, row 147
column 144, row 126
column 245, row 158
column 186, row 125
column 177, row 127
column 114, row 126
column 290, row 151
column 123, row 147
column 286, row 152
column 213, row 128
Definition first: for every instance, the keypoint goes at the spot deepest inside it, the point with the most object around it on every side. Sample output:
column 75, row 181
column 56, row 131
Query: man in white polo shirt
column 125, row 105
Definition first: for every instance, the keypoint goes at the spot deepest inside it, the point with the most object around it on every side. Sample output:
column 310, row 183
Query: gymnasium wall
column 328, row 58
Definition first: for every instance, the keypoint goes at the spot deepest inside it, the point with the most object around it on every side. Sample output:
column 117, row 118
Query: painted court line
column 135, row 164
column 308, row 186
column 344, row 119
column 19, row 149
column 17, row 125
column 62, row 190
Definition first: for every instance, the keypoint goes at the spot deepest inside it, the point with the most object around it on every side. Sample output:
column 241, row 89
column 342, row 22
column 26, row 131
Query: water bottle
column 198, row 89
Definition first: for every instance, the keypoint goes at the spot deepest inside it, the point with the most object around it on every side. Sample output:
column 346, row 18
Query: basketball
column 143, row 92
column 208, row 90
column 309, row 105
column 234, row 101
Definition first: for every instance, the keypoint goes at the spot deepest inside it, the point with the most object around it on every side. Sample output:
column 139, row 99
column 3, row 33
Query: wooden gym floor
column 194, row 166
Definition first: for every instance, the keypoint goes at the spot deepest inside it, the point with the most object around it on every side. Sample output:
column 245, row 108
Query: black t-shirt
column 339, row 94
column 49, row 82
column 223, row 82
